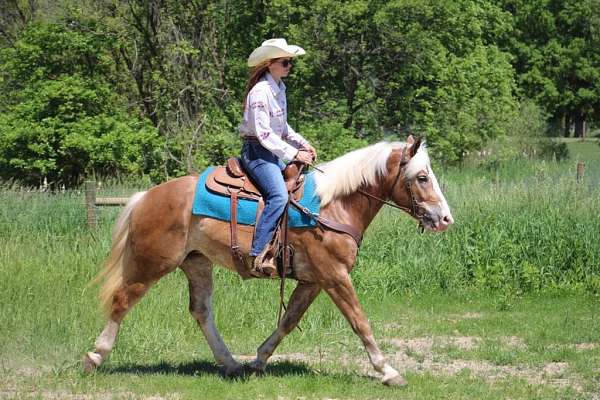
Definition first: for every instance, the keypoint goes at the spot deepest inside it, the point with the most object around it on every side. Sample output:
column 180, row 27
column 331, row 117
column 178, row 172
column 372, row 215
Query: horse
column 157, row 233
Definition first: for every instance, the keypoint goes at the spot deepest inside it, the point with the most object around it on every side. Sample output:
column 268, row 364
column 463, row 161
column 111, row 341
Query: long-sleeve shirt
column 265, row 118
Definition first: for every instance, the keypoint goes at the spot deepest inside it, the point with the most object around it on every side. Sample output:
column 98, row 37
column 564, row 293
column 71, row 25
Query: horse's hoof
column 257, row 367
column 234, row 371
column 91, row 361
column 396, row 380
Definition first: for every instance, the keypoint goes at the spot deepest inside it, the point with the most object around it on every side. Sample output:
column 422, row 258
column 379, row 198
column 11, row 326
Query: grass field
column 586, row 150
column 504, row 305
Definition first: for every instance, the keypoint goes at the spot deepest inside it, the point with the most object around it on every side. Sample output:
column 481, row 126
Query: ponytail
column 256, row 73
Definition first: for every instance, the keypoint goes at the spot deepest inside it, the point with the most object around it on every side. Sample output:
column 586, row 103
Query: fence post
column 580, row 171
column 90, row 201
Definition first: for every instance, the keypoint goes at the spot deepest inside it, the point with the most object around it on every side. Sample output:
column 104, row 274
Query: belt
column 252, row 139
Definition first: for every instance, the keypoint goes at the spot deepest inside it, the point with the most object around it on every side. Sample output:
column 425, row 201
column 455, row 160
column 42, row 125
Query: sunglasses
column 286, row 63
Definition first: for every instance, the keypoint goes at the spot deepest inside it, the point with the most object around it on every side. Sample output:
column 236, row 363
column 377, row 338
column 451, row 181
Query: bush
column 471, row 105
column 61, row 119
column 553, row 150
column 221, row 141
column 66, row 151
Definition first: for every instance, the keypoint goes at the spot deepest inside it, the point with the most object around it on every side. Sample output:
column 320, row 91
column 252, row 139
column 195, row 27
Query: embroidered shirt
column 265, row 117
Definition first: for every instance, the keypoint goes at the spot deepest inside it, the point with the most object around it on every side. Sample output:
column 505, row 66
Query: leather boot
column 264, row 265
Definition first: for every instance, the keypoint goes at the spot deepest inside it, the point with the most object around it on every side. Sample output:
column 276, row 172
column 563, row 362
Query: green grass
column 586, row 150
column 519, row 273
column 163, row 352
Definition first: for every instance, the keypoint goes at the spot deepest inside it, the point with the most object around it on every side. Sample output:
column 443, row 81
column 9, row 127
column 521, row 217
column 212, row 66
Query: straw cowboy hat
column 273, row 48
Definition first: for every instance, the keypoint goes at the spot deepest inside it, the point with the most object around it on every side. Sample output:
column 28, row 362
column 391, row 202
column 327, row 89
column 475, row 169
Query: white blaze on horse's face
column 430, row 201
column 431, row 205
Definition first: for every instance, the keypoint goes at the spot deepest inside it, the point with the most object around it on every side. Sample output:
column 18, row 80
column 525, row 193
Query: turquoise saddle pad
column 210, row 204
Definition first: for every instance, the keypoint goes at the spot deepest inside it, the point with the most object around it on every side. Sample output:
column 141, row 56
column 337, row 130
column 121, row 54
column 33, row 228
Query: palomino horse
column 156, row 233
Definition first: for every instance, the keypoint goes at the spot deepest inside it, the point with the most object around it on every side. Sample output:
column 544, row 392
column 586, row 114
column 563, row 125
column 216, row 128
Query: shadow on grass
column 203, row 368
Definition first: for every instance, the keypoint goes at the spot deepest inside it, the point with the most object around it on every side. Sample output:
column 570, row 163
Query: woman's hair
column 255, row 74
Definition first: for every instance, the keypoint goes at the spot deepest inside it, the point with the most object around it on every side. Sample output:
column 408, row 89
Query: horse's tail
column 114, row 268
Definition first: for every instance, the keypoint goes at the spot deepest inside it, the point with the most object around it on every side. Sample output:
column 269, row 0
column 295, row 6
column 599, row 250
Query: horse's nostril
column 448, row 219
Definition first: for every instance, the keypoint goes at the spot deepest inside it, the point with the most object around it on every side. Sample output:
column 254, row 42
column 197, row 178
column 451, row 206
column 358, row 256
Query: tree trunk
column 15, row 15
column 351, row 86
column 580, row 125
column 567, row 126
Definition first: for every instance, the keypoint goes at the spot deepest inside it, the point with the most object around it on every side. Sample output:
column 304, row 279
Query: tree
column 374, row 69
column 14, row 16
column 394, row 67
column 557, row 57
column 451, row 82
column 183, row 59
column 61, row 120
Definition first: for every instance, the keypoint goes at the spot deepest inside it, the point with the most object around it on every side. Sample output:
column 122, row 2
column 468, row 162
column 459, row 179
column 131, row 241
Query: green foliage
column 454, row 85
column 530, row 122
column 47, row 52
column 373, row 70
column 403, row 66
column 550, row 149
column 61, row 118
column 556, row 50
column 331, row 139
column 222, row 142
column 471, row 104
column 525, row 138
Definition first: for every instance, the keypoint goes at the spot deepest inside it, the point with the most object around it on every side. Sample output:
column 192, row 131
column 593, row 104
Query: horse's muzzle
column 443, row 223
column 437, row 220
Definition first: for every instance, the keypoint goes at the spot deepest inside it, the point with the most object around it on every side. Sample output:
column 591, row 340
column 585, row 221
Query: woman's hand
column 305, row 156
column 311, row 150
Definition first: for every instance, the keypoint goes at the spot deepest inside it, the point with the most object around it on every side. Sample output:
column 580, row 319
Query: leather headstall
column 414, row 209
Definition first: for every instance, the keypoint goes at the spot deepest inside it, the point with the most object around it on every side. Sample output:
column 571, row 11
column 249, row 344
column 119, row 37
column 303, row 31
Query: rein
column 414, row 207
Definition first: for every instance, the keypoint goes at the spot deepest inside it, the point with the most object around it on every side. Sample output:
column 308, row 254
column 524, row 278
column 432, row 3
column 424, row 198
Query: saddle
column 232, row 181
column 232, row 178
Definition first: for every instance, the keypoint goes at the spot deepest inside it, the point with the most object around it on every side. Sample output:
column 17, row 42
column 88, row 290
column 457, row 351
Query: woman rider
column 269, row 141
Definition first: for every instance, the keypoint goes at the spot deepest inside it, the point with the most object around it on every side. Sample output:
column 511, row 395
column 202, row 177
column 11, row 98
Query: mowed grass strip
column 502, row 306
column 450, row 346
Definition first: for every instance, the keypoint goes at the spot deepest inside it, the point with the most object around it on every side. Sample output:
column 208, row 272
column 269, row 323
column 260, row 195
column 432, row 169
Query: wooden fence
column 92, row 202
column 580, row 171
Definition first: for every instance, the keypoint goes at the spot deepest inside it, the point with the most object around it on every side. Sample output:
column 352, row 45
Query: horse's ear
column 415, row 147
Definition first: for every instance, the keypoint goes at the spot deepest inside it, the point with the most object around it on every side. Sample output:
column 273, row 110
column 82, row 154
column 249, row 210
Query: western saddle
column 231, row 181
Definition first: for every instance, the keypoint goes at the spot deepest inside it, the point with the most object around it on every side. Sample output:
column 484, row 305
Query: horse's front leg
column 344, row 296
column 301, row 298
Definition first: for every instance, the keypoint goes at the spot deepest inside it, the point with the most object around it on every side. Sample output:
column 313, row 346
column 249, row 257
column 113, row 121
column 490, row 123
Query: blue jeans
column 265, row 169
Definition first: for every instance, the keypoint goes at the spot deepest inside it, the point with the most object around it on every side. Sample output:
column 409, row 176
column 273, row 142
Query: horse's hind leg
column 124, row 298
column 198, row 270
column 301, row 299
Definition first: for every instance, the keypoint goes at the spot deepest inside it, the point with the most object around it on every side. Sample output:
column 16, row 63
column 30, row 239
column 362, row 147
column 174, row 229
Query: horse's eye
column 423, row 178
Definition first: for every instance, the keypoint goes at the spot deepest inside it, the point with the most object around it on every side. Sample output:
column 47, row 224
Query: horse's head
column 414, row 187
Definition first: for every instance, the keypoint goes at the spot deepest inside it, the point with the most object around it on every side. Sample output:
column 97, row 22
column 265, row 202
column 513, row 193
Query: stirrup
column 263, row 266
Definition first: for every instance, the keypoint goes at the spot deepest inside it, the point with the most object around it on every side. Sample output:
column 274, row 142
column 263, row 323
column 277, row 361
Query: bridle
column 415, row 210
column 414, row 207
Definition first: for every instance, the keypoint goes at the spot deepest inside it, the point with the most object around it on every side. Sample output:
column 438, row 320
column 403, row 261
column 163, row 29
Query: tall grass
column 524, row 227
column 48, row 256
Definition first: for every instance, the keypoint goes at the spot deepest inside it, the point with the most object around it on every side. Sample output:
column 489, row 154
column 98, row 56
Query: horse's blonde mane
column 362, row 167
